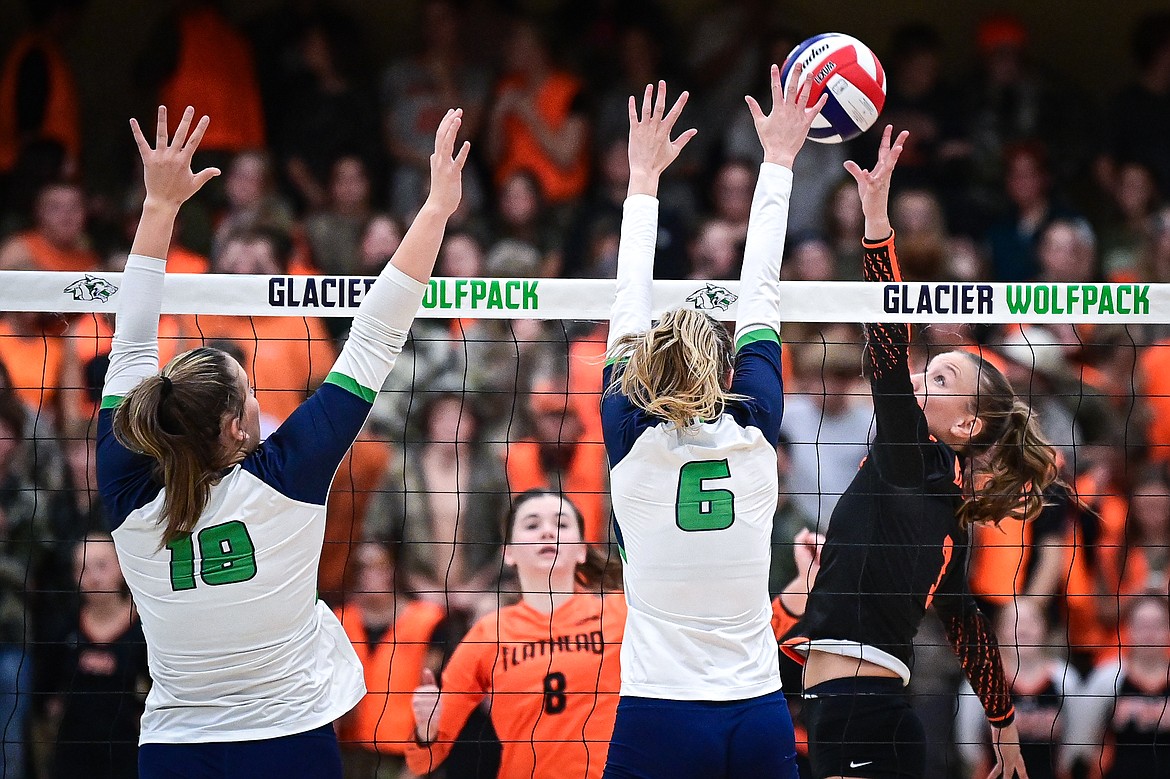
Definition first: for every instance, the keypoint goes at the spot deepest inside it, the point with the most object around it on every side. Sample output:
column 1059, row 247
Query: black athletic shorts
column 864, row 727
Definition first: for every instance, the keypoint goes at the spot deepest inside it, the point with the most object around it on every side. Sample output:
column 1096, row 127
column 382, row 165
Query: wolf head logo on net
column 91, row 288
column 712, row 297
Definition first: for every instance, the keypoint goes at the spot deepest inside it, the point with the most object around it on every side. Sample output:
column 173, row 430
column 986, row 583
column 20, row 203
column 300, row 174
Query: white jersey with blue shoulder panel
column 693, row 508
column 239, row 646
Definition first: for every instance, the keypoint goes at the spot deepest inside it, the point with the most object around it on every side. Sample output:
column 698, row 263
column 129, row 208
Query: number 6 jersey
column 239, row 647
column 693, row 507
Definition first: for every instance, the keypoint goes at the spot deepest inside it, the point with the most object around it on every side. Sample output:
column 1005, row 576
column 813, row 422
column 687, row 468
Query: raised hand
column 651, row 149
column 446, row 166
column 427, row 707
column 783, row 131
column 874, row 185
column 167, row 167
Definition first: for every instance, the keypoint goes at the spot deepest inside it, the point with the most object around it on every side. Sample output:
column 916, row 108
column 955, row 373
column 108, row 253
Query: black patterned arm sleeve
column 901, row 426
column 973, row 639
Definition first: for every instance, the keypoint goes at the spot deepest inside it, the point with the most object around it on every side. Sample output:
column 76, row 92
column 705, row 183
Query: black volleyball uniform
column 893, row 548
column 1140, row 730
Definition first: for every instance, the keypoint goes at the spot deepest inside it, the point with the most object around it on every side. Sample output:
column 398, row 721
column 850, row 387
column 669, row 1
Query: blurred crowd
column 1012, row 173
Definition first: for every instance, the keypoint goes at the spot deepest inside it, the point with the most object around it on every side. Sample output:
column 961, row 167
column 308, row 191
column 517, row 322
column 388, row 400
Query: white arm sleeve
column 759, row 297
column 1089, row 708
column 379, row 331
column 134, row 352
column 635, row 271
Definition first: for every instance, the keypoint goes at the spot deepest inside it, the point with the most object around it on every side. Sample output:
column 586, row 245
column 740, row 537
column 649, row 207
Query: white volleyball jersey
column 694, row 513
column 693, row 507
column 239, row 648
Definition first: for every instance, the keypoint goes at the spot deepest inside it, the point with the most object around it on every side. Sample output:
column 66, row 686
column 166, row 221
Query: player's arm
column 782, row 133
column 758, row 370
column 972, row 638
column 439, row 716
column 651, row 151
column 134, row 351
column 301, row 456
column 788, row 607
column 169, row 183
column 901, row 426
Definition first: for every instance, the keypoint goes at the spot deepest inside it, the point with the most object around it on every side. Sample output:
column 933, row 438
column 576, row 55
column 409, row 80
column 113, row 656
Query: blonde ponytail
column 677, row 370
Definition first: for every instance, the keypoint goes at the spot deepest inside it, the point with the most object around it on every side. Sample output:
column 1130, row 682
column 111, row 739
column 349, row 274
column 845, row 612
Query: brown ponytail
column 676, row 370
column 175, row 418
column 1010, row 465
column 601, row 571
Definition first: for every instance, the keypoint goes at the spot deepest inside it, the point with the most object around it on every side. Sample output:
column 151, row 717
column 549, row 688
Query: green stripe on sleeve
column 350, row 385
column 762, row 334
column 111, row 401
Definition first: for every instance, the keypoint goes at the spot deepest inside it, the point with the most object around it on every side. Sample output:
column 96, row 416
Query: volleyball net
column 497, row 392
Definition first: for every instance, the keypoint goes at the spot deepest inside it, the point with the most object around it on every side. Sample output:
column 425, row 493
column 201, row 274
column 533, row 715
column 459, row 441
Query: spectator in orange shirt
column 197, row 58
column 57, row 241
column 537, row 123
column 38, row 94
column 393, row 636
column 549, row 663
column 287, row 357
column 558, row 457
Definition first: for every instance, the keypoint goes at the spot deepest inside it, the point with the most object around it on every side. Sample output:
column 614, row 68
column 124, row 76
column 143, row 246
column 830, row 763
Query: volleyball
column 854, row 79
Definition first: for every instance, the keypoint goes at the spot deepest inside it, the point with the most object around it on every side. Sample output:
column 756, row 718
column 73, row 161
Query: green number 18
column 701, row 508
column 227, row 555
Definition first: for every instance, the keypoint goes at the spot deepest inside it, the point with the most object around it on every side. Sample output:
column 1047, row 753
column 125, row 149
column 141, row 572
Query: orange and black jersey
column 894, row 545
column 553, row 679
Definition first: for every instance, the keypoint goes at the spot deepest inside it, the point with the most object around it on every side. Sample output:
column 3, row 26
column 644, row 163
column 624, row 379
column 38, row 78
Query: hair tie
column 167, row 385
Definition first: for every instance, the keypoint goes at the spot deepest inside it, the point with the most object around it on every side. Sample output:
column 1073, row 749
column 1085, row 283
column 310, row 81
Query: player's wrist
column 643, row 182
column 160, row 207
column 782, row 158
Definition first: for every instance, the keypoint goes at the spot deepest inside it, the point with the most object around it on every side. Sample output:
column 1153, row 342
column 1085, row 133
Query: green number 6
column 699, row 508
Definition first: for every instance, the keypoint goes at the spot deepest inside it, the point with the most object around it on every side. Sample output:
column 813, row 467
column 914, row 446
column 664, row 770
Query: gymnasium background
column 1041, row 154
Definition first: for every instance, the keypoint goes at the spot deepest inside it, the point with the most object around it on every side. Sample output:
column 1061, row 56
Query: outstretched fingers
column 160, row 128
column 856, row 171
column 795, row 88
column 143, row 147
column 448, row 129
column 461, row 157
column 647, row 102
column 684, row 139
column 675, row 110
column 196, row 136
column 754, row 107
column 660, row 101
column 181, row 130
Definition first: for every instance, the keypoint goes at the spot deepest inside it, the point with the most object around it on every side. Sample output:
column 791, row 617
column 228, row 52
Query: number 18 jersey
column 693, row 512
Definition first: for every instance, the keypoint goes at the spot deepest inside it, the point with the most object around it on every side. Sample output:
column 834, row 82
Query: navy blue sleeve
column 125, row 479
column 758, row 377
column 300, row 459
column 621, row 421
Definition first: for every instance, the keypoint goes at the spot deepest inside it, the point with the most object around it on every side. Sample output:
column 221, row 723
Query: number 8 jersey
column 693, row 507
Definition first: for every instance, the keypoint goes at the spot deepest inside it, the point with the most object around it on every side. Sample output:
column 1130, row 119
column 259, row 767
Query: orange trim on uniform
column 788, row 647
column 783, row 620
column 887, row 243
